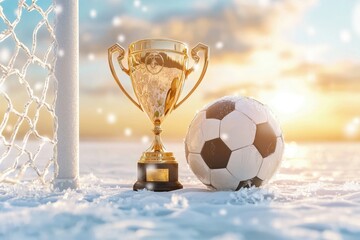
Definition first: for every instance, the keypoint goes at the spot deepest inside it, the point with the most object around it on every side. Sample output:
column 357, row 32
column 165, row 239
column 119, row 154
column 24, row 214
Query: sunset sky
column 302, row 58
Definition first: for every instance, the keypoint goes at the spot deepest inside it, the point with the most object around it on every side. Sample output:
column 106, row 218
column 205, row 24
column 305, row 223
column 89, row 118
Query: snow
column 315, row 195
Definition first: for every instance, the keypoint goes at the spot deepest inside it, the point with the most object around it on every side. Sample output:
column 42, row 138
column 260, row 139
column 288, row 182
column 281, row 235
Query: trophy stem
column 157, row 145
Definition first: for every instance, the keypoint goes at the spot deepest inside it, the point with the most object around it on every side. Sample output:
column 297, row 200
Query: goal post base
column 66, row 183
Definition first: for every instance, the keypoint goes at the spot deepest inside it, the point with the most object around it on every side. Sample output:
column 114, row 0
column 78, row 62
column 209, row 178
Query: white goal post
column 24, row 144
column 67, row 103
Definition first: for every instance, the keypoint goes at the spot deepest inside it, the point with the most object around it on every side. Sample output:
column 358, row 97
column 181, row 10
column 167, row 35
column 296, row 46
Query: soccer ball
column 234, row 142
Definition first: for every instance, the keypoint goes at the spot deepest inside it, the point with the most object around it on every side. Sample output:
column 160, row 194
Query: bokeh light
column 127, row 132
column 4, row 55
column 345, row 36
column 121, row 38
column 116, row 22
column 352, row 129
column 145, row 139
column 93, row 13
column 91, row 56
column 111, row 118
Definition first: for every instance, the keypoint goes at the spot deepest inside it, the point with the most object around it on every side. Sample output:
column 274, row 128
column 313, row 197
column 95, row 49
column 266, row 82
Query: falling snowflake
column 93, row 13
column 17, row 12
column 91, row 56
column 116, row 21
column 345, row 36
column 9, row 128
column 222, row 212
column 58, row 9
column 4, row 55
column 121, row 38
column 224, row 136
column 111, row 118
column 99, row 110
column 196, row 67
column 3, row 88
column 145, row 139
column 137, row 3
column 353, row 127
column 127, row 132
column 38, row 86
column 350, row 130
column 61, row 53
column 310, row 31
column 219, row 45
column 264, row 3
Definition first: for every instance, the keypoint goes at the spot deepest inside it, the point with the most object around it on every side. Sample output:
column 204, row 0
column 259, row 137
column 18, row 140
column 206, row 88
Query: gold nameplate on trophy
column 157, row 175
column 157, row 69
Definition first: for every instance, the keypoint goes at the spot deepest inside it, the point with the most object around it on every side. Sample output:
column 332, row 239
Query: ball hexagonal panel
column 194, row 138
column 220, row 109
column 215, row 153
column 237, row 130
column 271, row 163
column 265, row 139
column 274, row 123
column 199, row 168
column 253, row 109
column 222, row 179
column 249, row 183
column 210, row 129
column 245, row 163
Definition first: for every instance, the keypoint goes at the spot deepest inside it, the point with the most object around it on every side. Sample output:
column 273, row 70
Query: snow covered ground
column 315, row 195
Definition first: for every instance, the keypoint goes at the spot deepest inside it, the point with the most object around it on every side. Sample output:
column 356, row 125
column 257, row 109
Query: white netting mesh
column 27, row 91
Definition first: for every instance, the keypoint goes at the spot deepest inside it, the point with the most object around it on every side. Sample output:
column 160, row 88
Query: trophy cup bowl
column 157, row 69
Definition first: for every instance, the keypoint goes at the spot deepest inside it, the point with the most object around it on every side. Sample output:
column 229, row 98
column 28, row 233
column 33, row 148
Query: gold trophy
column 157, row 69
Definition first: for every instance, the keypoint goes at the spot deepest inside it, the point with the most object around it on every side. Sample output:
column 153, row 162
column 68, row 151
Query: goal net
column 39, row 92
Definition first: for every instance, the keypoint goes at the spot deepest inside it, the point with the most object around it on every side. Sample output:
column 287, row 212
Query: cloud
column 341, row 76
column 241, row 25
column 246, row 88
column 245, row 28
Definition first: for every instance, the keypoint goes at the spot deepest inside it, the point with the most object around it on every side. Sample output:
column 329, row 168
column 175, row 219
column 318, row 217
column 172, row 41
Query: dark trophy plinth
column 158, row 177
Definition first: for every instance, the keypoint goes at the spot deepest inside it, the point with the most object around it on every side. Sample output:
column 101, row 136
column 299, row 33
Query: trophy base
column 157, row 177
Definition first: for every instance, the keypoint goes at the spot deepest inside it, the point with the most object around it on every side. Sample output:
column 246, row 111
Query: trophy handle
column 195, row 56
column 113, row 49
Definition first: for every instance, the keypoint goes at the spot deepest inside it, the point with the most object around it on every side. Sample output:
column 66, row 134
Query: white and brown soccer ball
column 234, row 142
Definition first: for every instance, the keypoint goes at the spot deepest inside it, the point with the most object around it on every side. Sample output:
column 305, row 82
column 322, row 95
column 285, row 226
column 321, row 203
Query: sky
column 301, row 58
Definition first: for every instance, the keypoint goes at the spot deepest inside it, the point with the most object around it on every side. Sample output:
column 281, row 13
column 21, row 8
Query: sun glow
column 288, row 102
